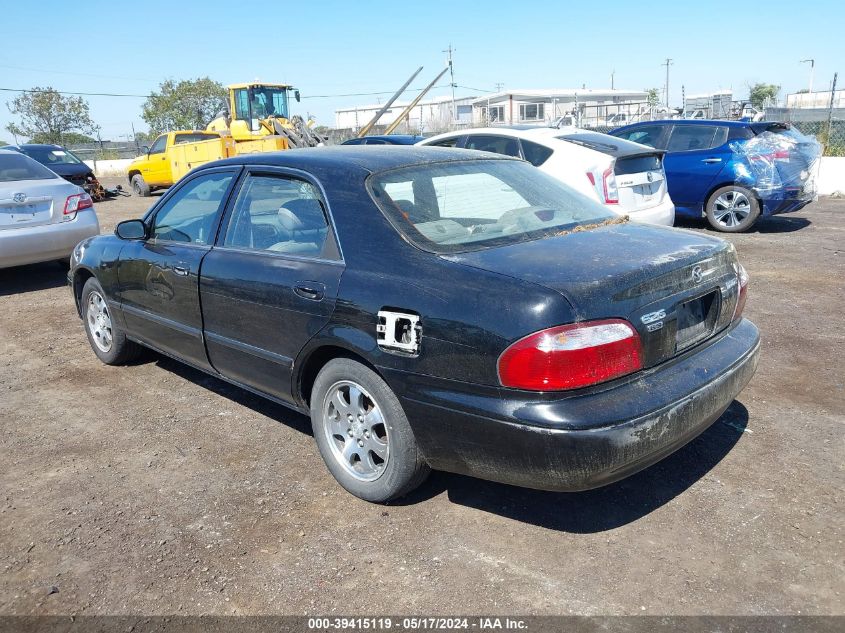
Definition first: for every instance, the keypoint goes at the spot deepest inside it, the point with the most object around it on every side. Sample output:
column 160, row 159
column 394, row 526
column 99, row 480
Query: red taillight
column 611, row 193
column 571, row 356
column 78, row 202
column 742, row 280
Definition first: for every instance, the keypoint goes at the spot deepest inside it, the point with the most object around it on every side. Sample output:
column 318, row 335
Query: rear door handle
column 712, row 160
column 310, row 290
column 181, row 269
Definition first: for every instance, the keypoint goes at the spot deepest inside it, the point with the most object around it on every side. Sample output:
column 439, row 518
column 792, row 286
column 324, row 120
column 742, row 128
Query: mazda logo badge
column 19, row 197
column 697, row 275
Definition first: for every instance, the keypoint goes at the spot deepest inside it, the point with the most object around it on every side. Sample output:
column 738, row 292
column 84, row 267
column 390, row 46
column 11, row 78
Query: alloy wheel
column 731, row 208
column 356, row 430
column 99, row 321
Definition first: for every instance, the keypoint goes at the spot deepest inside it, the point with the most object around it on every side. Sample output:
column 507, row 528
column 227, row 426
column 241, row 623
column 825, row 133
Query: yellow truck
column 255, row 119
column 173, row 155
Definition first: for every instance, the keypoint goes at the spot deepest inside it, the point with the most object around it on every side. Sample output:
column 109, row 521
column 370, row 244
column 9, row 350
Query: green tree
column 48, row 116
column 2, row 143
column 68, row 138
column 184, row 105
column 760, row 95
column 653, row 98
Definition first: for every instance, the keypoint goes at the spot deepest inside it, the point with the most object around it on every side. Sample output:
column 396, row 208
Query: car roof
column 368, row 158
column 39, row 146
column 692, row 122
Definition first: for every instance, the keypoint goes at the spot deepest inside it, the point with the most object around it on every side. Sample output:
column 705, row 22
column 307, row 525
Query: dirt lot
column 154, row 489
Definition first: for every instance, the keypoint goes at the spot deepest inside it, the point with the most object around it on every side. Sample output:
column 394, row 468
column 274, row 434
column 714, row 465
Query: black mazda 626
column 430, row 308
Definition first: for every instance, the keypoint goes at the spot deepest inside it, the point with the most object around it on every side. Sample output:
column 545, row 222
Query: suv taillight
column 571, row 356
column 77, row 202
column 611, row 193
column 742, row 280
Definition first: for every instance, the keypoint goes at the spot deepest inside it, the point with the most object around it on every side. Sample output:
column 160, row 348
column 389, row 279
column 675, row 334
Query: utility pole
column 612, row 74
column 667, row 63
column 830, row 109
column 451, row 50
column 812, row 63
column 499, row 86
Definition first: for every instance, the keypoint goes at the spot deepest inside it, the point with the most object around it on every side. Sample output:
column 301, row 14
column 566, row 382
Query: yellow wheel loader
column 256, row 118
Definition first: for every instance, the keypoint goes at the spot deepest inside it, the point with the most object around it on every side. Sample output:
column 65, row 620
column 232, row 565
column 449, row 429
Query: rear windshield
column 193, row 138
column 599, row 142
column 469, row 205
column 638, row 164
column 51, row 156
column 14, row 166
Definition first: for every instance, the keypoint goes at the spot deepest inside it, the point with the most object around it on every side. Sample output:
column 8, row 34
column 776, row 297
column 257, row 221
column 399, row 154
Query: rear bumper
column 30, row 245
column 583, row 441
column 663, row 213
column 787, row 200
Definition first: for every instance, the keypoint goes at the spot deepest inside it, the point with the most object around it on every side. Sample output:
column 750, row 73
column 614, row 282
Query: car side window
column 159, row 146
column 535, row 153
column 190, row 214
column 645, row 135
column 354, row 141
column 446, row 142
column 686, row 138
column 497, row 144
column 279, row 214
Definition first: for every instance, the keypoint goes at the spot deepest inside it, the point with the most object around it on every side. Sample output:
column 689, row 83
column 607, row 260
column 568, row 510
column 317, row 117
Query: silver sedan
column 42, row 216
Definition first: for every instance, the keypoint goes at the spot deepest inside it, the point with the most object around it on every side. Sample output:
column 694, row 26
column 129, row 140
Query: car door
column 696, row 154
column 271, row 281
column 158, row 276
column 157, row 168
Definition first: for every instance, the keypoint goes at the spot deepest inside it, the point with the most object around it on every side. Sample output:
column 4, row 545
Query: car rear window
column 638, row 164
column 686, row 138
column 14, row 166
column 459, row 206
column 599, row 142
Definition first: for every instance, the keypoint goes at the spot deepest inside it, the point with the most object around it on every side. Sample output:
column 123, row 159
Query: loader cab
column 252, row 103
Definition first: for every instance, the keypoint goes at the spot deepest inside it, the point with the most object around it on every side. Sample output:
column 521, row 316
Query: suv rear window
column 14, row 166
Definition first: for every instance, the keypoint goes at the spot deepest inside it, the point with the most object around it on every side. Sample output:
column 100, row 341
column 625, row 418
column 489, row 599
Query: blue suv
column 731, row 171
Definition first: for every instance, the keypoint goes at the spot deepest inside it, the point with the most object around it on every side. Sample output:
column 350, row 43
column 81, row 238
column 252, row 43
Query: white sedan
column 626, row 177
column 42, row 216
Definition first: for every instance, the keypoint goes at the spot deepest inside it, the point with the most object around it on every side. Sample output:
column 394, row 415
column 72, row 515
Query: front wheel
column 363, row 434
column 732, row 209
column 106, row 337
column 140, row 186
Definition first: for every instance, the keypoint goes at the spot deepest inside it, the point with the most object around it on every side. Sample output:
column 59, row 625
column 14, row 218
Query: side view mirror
column 145, row 149
column 296, row 95
column 131, row 230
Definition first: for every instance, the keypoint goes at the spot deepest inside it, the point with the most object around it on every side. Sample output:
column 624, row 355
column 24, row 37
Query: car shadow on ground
column 245, row 398
column 767, row 224
column 583, row 512
column 32, row 278
column 604, row 508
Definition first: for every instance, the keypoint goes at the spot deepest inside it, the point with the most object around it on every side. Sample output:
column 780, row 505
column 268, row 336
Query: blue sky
column 330, row 48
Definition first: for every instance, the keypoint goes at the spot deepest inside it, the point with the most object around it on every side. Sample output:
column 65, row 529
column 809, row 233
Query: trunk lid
column 640, row 181
column 26, row 203
column 677, row 288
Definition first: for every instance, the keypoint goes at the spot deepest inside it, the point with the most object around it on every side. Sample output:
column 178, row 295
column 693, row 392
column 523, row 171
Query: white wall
column 109, row 167
column 831, row 176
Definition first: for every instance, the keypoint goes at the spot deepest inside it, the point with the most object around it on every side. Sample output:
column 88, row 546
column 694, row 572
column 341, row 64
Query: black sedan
column 430, row 308
column 68, row 165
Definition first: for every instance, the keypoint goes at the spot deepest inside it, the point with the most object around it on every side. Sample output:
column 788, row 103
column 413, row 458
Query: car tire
column 732, row 209
column 140, row 186
column 367, row 442
column 106, row 337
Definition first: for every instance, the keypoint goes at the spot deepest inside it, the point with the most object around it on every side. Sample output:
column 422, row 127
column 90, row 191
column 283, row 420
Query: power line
column 115, row 94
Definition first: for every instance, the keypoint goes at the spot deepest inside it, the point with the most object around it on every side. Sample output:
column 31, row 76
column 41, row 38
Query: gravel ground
column 155, row 489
